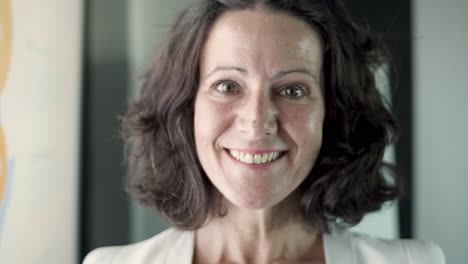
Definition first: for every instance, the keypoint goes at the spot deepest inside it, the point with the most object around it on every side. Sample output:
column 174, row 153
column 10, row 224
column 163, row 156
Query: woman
column 260, row 128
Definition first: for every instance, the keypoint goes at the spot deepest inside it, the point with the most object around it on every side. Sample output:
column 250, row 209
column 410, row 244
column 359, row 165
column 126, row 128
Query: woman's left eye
column 294, row 91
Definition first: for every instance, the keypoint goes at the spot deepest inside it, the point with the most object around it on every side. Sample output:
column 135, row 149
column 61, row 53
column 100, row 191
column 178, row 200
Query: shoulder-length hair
column 347, row 180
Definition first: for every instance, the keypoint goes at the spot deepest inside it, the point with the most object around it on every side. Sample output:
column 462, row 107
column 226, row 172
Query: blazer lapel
column 181, row 252
column 338, row 247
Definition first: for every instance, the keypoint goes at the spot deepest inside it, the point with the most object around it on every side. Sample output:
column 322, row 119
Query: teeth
column 270, row 156
column 258, row 159
column 254, row 158
column 235, row 154
column 248, row 158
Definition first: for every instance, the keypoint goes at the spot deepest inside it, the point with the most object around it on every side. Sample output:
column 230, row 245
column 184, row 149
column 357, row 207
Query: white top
column 341, row 246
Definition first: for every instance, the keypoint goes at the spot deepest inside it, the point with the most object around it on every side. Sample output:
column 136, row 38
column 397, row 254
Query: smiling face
column 259, row 108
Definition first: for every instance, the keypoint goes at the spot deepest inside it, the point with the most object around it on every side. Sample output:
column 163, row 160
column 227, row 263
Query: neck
column 258, row 236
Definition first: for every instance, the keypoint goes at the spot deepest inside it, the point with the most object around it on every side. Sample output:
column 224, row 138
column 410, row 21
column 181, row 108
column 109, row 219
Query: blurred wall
column 104, row 215
column 40, row 94
column 441, row 124
column 148, row 22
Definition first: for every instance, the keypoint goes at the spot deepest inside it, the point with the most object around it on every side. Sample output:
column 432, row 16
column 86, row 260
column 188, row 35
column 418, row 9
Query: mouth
column 255, row 158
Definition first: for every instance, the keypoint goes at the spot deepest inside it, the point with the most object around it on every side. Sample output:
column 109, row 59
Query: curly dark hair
column 348, row 178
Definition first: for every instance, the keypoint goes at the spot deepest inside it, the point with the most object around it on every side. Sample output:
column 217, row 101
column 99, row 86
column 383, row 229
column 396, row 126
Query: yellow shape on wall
column 5, row 54
column 5, row 40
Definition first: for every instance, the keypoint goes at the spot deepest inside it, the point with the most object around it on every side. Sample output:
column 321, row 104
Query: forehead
column 262, row 38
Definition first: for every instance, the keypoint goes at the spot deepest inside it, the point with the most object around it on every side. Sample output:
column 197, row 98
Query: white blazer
column 341, row 246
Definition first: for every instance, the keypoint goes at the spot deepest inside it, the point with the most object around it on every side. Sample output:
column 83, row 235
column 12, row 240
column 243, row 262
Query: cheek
column 203, row 123
column 303, row 130
column 210, row 120
column 304, row 126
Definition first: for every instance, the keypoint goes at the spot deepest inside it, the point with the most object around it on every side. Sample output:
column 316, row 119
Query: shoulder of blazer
column 368, row 249
column 165, row 247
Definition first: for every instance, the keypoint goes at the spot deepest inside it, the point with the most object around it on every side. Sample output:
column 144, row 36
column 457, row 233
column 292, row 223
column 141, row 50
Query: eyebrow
column 276, row 76
column 227, row 68
column 300, row 70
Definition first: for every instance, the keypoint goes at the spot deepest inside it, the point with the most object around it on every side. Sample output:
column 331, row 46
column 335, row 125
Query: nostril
column 256, row 126
column 270, row 127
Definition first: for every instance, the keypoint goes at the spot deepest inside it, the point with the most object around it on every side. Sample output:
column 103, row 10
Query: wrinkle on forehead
column 263, row 38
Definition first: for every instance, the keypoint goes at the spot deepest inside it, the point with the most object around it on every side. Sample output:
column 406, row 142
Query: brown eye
column 293, row 91
column 226, row 87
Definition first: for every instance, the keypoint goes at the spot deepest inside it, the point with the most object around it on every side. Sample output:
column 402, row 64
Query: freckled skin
column 259, row 45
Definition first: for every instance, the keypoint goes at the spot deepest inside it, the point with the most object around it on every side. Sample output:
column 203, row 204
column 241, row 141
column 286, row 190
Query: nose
column 257, row 115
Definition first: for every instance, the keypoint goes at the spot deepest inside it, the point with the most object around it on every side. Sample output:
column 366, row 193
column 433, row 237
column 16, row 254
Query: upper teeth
column 254, row 158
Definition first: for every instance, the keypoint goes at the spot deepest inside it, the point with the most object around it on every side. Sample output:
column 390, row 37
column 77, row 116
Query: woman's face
column 259, row 108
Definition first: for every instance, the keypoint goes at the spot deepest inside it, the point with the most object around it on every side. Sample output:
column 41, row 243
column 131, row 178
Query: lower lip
column 254, row 166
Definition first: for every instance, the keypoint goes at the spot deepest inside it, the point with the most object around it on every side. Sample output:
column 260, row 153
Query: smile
column 249, row 158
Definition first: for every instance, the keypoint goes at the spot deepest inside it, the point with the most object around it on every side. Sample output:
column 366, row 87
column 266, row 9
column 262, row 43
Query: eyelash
column 302, row 88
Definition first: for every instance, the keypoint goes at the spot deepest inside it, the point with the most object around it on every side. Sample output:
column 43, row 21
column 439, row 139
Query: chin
column 253, row 200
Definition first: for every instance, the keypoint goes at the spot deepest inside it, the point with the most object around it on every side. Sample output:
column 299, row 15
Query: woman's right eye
column 226, row 87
